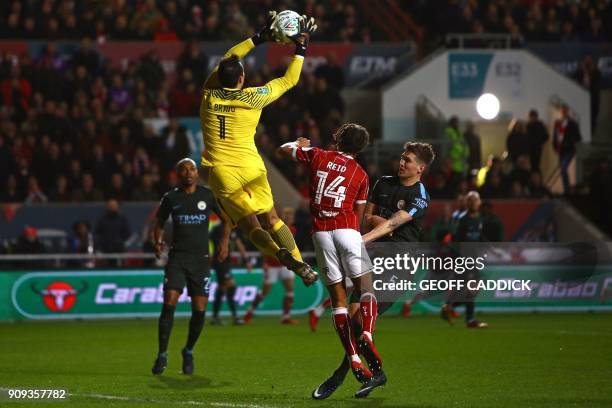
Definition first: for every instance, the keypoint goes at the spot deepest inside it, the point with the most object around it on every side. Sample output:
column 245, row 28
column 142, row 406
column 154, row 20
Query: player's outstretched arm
column 290, row 149
column 397, row 219
column 371, row 220
column 277, row 87
column 242, row 49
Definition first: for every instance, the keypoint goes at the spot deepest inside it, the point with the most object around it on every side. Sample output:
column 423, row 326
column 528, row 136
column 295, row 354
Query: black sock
column 357, row 329
column 231, row 292
column 219, row 293
column 469, row 311
column 343, row 369
column 166, row 318
column 196, row 323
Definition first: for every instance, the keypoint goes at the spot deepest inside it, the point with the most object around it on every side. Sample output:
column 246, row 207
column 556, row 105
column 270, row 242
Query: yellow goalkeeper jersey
column 229, row 117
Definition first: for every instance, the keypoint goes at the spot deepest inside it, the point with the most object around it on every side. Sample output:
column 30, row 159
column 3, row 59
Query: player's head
column 187, row 172
column 351, row 138
column 472, row 201
column 415, row 159
column 231, row 72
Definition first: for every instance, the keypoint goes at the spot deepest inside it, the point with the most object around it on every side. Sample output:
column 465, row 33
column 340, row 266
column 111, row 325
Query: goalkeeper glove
column 301, row 39
column 268, row 32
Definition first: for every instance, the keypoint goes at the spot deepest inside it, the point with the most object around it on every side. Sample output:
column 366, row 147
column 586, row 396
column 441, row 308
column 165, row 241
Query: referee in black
column 188, row 263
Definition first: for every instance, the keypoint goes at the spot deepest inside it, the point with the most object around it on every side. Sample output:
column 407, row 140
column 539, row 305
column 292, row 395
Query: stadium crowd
column 534, row 20
column 172, row 20
column 73, row 129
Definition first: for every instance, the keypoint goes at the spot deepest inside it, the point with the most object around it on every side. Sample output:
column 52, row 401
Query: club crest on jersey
column 263, row 90
column 401, row 204
column 201, row 205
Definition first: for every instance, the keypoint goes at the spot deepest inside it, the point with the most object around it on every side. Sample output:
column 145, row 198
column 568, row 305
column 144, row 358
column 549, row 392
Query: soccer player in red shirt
column 338, row 194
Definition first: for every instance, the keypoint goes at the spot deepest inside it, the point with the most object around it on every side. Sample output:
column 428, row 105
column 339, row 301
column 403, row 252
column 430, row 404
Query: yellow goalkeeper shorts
column 241, row 191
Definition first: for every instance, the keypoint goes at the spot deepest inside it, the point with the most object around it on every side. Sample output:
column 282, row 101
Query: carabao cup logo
column 59, row 296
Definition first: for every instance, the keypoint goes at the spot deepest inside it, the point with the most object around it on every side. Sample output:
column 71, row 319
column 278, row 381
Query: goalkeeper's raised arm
column 269, row 33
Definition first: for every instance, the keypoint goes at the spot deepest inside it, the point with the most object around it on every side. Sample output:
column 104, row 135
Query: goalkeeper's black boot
column 300, row 268
column 160, row 364
column 330, row 385
column 187, row 362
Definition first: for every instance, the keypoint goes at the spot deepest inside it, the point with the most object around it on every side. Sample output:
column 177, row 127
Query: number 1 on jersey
column 221, row 126
column 334, row 190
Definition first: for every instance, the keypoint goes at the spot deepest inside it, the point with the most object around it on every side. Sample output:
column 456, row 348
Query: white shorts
column 271, row 274
column 341, row 253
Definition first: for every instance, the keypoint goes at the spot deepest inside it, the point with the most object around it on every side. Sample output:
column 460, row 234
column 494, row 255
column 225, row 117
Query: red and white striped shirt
column 337, row 184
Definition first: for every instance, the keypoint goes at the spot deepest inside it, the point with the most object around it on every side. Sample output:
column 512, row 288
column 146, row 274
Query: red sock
column 342, row 324
column 326, row 303
column 368, row 307
column 287, row 304
column 256, row 302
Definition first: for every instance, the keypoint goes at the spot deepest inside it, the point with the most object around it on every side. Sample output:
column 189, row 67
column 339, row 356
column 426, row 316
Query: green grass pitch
column 554, row 360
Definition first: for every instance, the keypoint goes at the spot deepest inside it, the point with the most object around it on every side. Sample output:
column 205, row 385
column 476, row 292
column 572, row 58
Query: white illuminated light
column 487, row 106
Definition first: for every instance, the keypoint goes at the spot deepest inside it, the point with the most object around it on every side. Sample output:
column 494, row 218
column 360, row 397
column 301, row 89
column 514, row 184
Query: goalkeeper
column 229, row 115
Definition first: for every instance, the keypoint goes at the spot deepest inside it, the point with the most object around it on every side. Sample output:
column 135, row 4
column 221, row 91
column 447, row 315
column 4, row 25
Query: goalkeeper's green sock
column 263, row 241
column 281, row 234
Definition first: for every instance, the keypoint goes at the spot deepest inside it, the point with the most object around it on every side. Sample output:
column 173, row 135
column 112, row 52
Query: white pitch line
column 187, row 402
column 132, row 399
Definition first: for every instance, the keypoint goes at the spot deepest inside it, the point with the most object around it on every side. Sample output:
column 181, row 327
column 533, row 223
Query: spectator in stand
column 87, row 192
column 518, row 142
column 12, row 193
column 493, row 188
column 473, row 141
column 112, row 229
column 459, row 149
column 443, row 228
column 61, row 192
column 16, row 92
column 146, row 191
column 194, row 59
column 535, row 188
column 537, row 135
column 35, row 195
column 116, row 190
column 589, row 76
column 175, row 143
column 440, row 189
column 492, row 226
column 185, row 97
column 28, row 243
column 81, row 242
column 332, row 72
column 164, row 33
column 517, row 191
column 566, row 134
column 119, row 94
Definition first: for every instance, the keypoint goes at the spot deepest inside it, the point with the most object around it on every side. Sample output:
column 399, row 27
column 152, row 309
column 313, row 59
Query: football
column 287, row 24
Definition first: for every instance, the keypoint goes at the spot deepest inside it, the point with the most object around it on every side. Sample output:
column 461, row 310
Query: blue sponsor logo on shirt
column 191, row 219
column 263, row 91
